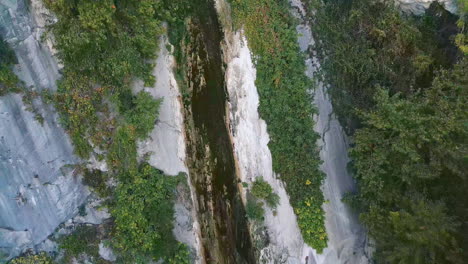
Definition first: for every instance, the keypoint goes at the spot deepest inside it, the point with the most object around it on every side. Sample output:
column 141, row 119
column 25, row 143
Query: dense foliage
column 406, row 84
column 107, row 41
column 8, row 79
column 262, row 190
column 106, row 45
column 260, row 193
column 254, row 209
column 286, row 106
column 411, row 162
column 41, row 258
column 83, row 240
column 143, row 212
column 365, row 44
column 182, row 255
column 141, row 111
column 462, row 37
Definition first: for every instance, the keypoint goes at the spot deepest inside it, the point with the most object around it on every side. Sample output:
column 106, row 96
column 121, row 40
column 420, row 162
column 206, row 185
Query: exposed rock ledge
column 418, row 7
column 37, row 190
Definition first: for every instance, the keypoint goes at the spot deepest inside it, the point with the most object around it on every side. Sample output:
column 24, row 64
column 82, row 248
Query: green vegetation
column 97, row 180
column 402, row 86
column 141, row 113
column 462, row 37
column 182, row 255
column 106, row 45
column 286, row 106
column 144, row 211
column 364, row 45
column 411, row 162
column 107, row 41
column 83, row 240
column 8, row 80
column 262, row 190
column 41, row 258
column 254, row 209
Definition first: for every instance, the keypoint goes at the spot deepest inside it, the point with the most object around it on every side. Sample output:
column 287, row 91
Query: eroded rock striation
column 38, row 191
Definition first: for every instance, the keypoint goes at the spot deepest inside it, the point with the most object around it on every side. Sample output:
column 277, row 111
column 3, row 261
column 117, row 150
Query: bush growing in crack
column 262, row 190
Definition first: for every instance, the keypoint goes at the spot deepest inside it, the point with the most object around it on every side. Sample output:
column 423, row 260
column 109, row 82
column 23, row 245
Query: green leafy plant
column 143, row 113
column 182, row 255
column 8, row 80
column 83, row 240
column 254, row 209
column 40, row 258
column 97, row 180
column 262, row 190
column 462, row 37
column 424, row 135
column 144, row 211
column 366, row 44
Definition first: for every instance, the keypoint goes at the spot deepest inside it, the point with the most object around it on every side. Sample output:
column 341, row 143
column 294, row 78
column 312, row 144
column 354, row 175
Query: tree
column 410, row 161
column 143, row 113
column 462, row 38
column 419, row 232
column 41, row 258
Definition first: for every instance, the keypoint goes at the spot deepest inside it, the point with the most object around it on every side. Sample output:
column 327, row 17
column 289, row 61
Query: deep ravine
column 223, row 226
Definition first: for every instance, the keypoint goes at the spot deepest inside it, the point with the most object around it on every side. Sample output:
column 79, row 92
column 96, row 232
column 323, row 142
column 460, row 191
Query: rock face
column 347, row 239
column 418, row 7
column 166, row 146
column 166, row 142
column 37, row 190
column 250, row 138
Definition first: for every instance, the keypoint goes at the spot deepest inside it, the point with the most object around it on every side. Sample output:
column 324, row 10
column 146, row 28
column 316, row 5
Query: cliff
column 38, row 191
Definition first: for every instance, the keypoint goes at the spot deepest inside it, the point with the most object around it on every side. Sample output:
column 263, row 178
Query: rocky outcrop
column 166, row 146
column 38, row 191
column 418, row 7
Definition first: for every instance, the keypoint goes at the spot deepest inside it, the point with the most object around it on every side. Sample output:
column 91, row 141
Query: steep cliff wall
column 37, row 190
column 347, row 239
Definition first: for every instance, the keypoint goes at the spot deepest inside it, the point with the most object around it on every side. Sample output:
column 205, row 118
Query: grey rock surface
column 37, row 190
column 106, row 253
column 94, row 213
column 418, row 7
